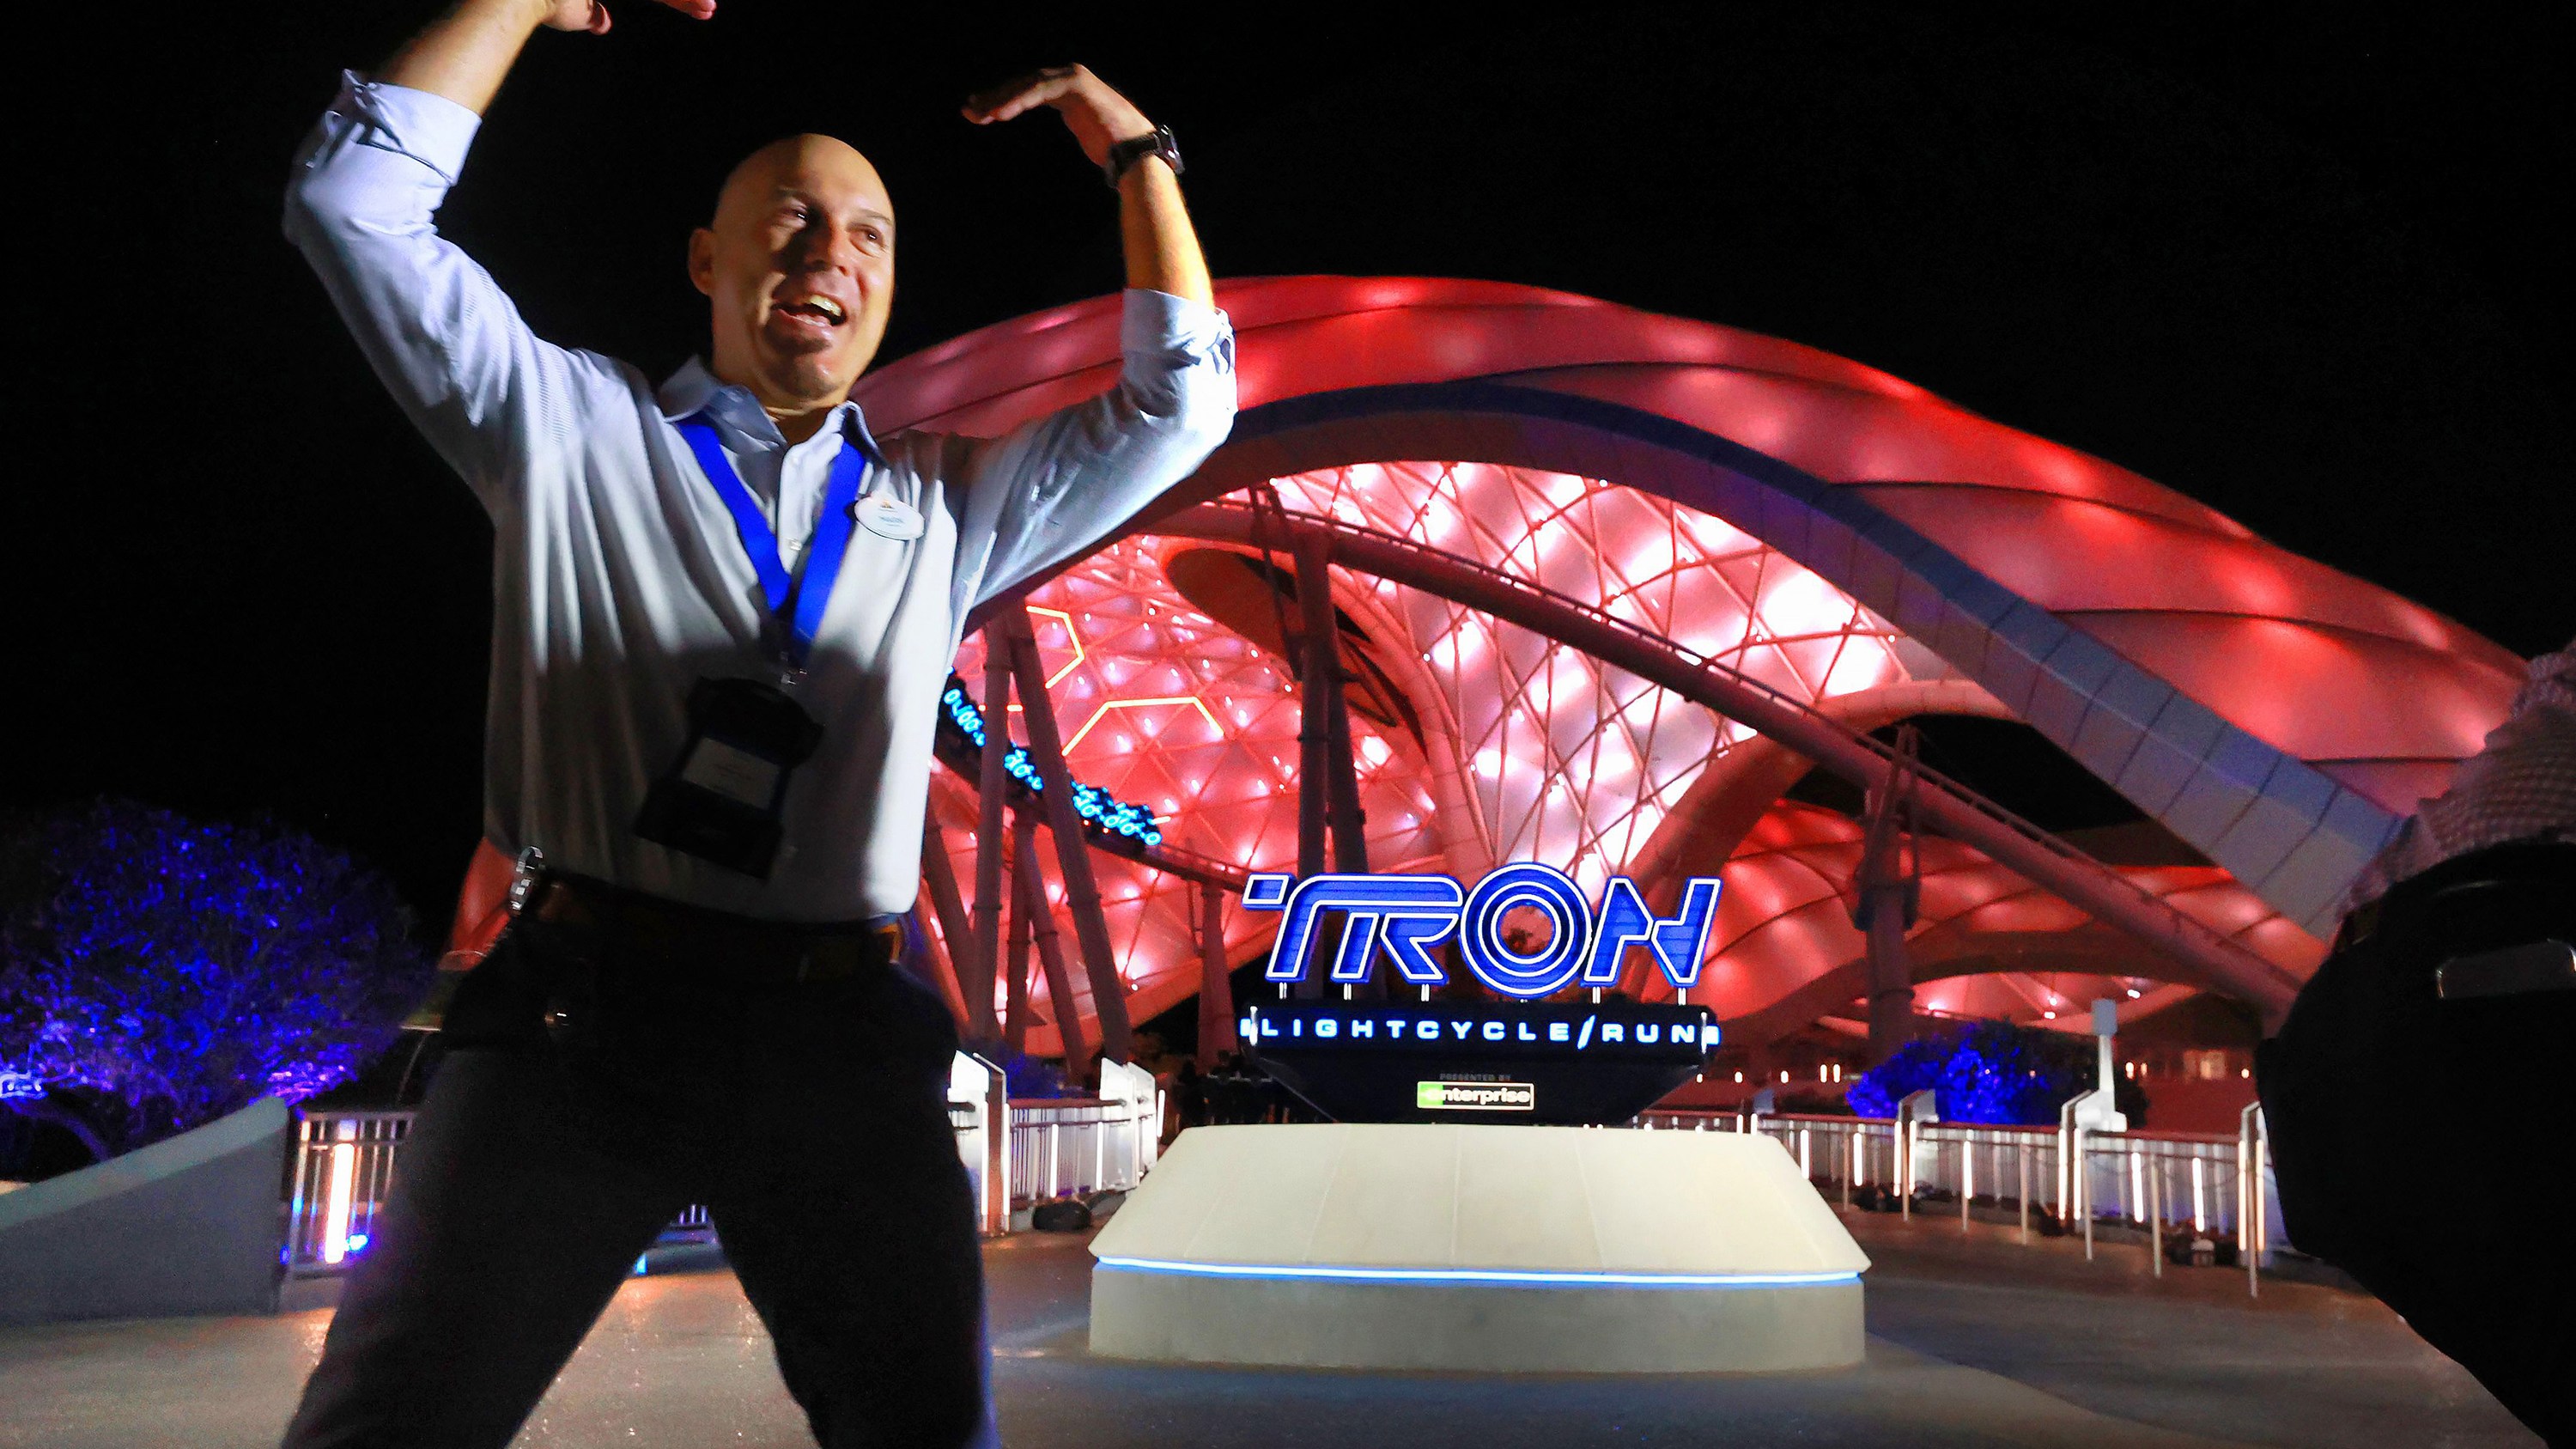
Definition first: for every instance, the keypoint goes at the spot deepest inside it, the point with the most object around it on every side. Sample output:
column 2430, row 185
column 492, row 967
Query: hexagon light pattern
column 1573, row 762
column 1566, row 760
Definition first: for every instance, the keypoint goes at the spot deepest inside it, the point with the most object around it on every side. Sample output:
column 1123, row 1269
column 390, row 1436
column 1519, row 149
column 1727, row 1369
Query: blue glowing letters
column 1408, row 915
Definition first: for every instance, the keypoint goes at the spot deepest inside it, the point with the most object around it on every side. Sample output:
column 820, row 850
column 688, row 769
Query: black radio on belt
column 722, row 801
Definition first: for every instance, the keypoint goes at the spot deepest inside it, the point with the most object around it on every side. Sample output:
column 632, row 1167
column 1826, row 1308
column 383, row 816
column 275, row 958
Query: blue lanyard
column 797, row 600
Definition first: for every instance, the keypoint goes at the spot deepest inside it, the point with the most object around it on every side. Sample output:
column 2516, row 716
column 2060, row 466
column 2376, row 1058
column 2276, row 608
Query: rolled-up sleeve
column 445, row 339
column 1057, row 484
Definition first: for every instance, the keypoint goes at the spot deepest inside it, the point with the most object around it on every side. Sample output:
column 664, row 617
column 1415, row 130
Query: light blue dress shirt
column 618, row 578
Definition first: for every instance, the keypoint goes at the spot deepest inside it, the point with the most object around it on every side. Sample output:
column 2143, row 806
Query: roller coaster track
column 2220, row 961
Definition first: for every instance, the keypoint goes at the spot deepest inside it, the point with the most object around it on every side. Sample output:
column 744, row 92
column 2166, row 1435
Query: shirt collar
column 693, row 390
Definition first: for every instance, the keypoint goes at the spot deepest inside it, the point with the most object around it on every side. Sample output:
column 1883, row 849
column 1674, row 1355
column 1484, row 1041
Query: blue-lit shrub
column 1911, row 1068
column 157, row 973
column 1986, row 1071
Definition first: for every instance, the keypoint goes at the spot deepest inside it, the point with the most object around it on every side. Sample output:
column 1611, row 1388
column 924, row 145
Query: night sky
column 2308, row 274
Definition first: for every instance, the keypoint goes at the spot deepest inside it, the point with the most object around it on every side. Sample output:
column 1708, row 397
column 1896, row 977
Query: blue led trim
column 1486, row 1275
column 1112, row 815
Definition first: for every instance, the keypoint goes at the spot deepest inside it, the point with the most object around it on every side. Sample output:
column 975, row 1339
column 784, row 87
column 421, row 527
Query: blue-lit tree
column 1988, row 1071
column 157, row 973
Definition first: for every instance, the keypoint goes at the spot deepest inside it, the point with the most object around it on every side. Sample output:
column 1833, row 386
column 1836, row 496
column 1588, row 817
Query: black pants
column 810, row 1119
column 2421, row 1144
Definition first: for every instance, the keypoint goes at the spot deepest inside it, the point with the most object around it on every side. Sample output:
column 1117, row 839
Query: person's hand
column 592, row 16
column 1098, row 116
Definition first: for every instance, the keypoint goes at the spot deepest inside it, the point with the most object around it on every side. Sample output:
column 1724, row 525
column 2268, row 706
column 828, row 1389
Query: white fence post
column 2155, row 1206
column 2021, row 1162
column 1133, row 1087
column 978, row 1086
column 1917, row 1110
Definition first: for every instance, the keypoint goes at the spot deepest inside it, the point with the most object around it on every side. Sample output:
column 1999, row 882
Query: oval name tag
column 887, row 516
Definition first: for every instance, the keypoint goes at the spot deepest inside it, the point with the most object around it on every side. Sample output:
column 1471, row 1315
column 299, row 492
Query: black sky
column 2308, row 272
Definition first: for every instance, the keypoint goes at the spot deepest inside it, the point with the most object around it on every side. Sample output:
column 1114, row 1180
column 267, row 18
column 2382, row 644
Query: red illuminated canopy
column 1841, row 536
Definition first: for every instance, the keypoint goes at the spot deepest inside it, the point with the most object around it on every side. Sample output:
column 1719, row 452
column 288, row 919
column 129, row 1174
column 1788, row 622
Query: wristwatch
column 1127, row 153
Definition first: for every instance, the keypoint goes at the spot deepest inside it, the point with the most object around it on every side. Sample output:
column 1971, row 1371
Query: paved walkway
column 1974, row 1340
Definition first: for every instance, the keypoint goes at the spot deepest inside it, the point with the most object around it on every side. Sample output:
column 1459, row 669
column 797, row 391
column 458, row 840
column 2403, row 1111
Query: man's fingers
column 591, row 18
column 1003, row 102
column 1003, row 105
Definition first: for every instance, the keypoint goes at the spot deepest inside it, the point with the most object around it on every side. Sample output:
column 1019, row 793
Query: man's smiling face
column 799, row 266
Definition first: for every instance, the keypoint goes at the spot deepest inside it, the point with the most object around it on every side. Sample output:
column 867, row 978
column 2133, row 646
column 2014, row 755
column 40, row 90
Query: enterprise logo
column 1475, row 1096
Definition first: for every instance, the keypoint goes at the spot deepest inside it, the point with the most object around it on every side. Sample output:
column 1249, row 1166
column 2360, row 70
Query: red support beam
column 990, row 785
column 955, row 942
column 1032, row 903
column 1216, row 987
column 1015, row 1011
column 1072, row 852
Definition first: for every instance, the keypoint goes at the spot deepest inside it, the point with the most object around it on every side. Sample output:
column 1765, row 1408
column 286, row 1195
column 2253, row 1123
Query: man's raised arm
column 360, row 204
column 1162, row 248
column 1055, row 484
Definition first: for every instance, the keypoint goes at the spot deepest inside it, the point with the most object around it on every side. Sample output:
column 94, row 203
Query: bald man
column 724, row 616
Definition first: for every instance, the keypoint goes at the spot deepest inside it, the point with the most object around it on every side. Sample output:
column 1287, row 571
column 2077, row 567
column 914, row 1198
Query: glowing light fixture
column 1482, row 1275
column 335, row 1197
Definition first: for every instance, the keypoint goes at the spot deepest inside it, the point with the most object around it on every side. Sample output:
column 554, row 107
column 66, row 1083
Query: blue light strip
column 1090, row 802
column 1485, row 1275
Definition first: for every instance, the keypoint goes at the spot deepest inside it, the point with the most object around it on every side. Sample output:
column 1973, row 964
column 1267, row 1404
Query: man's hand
column 592, row 16
column 465, row 52
column 1098, row 116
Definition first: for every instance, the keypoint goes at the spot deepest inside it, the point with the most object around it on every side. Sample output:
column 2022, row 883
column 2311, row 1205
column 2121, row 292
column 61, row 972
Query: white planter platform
column 1521, row 1249
column 186, row 1225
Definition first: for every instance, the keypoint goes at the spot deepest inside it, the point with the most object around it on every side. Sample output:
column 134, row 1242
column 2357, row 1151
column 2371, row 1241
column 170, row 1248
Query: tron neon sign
column 1405, row 916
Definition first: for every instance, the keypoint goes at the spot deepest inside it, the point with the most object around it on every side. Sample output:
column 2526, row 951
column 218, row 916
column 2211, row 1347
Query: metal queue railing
column 342, row 1171
column 1068, row 1146
column 2208, row 1186
column 344, row 1162
column 2211, row 1186
column 340, row 1179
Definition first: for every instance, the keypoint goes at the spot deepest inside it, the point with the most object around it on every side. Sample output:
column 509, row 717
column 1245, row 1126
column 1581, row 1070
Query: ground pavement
column 1975, row 1339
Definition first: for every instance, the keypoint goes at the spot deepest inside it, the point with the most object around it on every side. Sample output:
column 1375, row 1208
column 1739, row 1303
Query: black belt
column 725, row 946
column 2494, row 922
